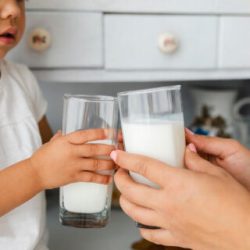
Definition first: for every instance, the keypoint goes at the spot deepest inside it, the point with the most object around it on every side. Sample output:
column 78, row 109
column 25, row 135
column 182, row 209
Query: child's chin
column 4, row 51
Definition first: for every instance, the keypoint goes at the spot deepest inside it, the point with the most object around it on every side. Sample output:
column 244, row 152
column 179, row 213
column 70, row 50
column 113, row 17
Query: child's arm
column 63, row 160
column 18, row 183
column 45, row 130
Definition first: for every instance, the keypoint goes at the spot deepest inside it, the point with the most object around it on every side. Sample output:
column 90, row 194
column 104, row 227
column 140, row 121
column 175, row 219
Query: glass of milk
column 153, row 125
column 84, row 204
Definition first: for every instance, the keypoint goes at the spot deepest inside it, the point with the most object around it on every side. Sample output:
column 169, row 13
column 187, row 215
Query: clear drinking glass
column 83, row 204
column 153, row 125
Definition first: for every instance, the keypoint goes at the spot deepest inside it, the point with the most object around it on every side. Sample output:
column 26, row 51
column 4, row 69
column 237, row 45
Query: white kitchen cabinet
column 118, row 41
column 134, row 42
column 234, row 42
column 135, row 6
column 233, row 6
column 61, row 40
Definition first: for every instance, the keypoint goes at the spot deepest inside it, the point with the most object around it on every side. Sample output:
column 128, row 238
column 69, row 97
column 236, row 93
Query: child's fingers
column 96, row 164
column 86, row 176
column 83, row 136
column 120, row 146
column 94, row 150
column 120, row 137
column 56, row 135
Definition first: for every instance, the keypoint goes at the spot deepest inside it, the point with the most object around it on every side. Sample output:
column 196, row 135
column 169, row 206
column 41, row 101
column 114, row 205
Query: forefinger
column 84, row 136
column 154, row 170
column 135, row 192
column 93, row 150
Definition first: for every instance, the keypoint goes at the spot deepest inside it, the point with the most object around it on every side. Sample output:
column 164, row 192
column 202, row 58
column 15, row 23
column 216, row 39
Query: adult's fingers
column 152, row 169
column 95, row 165
column 140, row 214
column 160, row 237
column 216, row 146
column 85, row 176
column 135, row 192
column 94, row 150
column 194, row 162
column 84, row 136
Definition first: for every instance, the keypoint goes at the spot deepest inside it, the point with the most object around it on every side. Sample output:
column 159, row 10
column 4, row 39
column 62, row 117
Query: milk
column 86, row 197
column 161, row 139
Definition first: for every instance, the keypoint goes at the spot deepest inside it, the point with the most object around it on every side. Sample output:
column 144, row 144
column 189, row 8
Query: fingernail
column 190, row 132
column 113, row 155
column 192, row 147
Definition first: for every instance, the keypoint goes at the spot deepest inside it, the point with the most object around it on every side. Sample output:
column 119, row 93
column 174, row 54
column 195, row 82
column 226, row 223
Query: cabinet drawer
column 132, row 42
column 234, row 44
column 61, row 39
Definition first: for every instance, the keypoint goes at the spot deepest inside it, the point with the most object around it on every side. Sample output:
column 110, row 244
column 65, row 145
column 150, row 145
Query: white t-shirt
column 21, row 108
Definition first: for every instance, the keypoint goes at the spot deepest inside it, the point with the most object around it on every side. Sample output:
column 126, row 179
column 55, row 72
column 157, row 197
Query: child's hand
column 67, row 159
column 226, row 153
column 120, row 140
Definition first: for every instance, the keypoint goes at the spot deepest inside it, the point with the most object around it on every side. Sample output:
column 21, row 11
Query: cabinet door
column 61, row 39
column 134, row 42
column 233, row 6
column 234, row 42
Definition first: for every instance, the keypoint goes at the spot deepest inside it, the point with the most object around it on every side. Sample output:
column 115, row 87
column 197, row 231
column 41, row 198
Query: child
column 23, row 173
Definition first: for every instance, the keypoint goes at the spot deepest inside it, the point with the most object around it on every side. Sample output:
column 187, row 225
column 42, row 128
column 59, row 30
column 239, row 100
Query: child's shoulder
column 18, row 72
column 13, row 67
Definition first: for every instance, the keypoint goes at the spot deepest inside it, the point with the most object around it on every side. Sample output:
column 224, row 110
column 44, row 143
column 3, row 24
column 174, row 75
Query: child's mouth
column 7, row 38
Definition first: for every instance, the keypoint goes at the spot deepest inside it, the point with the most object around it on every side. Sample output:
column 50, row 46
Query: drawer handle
column 40, row 39
column 167, row 43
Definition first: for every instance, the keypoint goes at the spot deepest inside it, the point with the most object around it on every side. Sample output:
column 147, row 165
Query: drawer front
column 160, row 42
column 134, row 6
column 234, row 44
column 61, row 39
column 232, row 6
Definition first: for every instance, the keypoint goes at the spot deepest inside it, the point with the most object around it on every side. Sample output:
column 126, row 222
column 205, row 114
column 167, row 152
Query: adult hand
column 226, row 153
column 201, row 207
column 69, row 158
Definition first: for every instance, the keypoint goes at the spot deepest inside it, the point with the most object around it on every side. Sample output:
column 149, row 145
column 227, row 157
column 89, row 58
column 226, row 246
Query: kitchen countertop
column 119, row 234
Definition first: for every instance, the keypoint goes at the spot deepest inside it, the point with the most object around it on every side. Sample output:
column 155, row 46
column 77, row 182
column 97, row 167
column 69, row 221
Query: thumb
column 57, row 135
column 194, row 162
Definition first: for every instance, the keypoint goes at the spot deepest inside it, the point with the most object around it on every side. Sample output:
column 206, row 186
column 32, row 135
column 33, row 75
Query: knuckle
column 94, row 149
column 101, row 179
column 222, row 173
column 90, row 149
column 150, row 236
column 89, row 177
column 95, row 165
column 142, row 168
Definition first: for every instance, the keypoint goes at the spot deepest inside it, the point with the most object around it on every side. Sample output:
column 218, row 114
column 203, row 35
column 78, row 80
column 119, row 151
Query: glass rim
column 150, row 90
column 91, row 98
